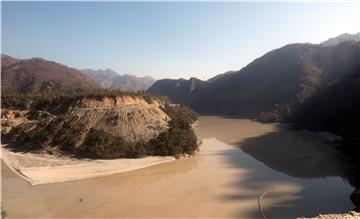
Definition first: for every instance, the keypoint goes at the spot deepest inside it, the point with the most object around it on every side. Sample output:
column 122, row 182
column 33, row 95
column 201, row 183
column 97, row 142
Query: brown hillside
column 7, row 60
column 41, row 76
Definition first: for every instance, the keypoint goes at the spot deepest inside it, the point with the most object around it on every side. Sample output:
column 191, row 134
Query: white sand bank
column 40, row 169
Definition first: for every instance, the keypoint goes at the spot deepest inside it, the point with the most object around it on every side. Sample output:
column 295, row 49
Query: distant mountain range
column 342, row 38
column 38, row 75
column 271, row 87
column 109, row 79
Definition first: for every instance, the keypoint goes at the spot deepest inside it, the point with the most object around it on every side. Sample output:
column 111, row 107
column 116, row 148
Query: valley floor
column 240, row 164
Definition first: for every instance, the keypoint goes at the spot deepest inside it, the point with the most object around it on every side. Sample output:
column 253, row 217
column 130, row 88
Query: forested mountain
column 272, row 86
column 109, row 79
column 38, row 75
column 335, row 108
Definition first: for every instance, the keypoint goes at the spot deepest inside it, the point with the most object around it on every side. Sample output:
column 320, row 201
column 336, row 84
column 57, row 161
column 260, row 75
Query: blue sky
column 167, row 39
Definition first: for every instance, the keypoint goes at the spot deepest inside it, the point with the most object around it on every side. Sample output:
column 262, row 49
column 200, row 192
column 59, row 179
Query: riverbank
column 222, row 181
column 39, row 169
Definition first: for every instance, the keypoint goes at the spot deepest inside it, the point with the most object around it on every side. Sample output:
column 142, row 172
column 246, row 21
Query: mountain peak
column 342, row 38
column 110, row 79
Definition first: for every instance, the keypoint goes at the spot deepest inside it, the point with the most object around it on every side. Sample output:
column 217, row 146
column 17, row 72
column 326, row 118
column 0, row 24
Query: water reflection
column 292, row 193
column 301, row 155
column 298, row 154
column 294, row 158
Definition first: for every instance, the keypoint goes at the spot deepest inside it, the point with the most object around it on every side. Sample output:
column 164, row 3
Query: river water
column 239, row 161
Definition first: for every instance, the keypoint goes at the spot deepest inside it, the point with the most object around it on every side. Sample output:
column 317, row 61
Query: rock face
column 131, row 118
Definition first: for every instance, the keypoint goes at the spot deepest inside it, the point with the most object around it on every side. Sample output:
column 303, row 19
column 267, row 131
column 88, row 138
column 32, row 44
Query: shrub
column 177, row 140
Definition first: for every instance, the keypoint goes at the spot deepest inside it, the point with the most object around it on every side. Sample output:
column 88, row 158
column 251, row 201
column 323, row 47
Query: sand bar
column 40, row 169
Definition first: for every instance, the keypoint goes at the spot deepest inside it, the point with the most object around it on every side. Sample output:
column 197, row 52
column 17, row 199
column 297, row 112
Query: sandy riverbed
column 222, row 181
column 40, row 169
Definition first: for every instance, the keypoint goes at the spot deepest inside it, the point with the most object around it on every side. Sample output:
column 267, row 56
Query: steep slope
column 179, row 91
column 109, row 79
column 41, row 76
column 272, row 86
column 335, row 108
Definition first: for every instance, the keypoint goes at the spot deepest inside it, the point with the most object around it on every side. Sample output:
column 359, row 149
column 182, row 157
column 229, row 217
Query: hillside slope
column 335, row 108
column 7, row 60
column 41, row 76
column 272, row 86
column 276, row 83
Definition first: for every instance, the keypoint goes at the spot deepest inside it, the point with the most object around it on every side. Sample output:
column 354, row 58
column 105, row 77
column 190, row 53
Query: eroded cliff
column 102, row 127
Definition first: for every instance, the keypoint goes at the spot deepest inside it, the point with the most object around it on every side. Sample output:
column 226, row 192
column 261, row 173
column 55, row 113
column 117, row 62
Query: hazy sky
column 164, row 39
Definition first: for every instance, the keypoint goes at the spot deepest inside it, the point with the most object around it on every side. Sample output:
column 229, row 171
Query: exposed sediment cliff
column 131, row 118
column 101, row 127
